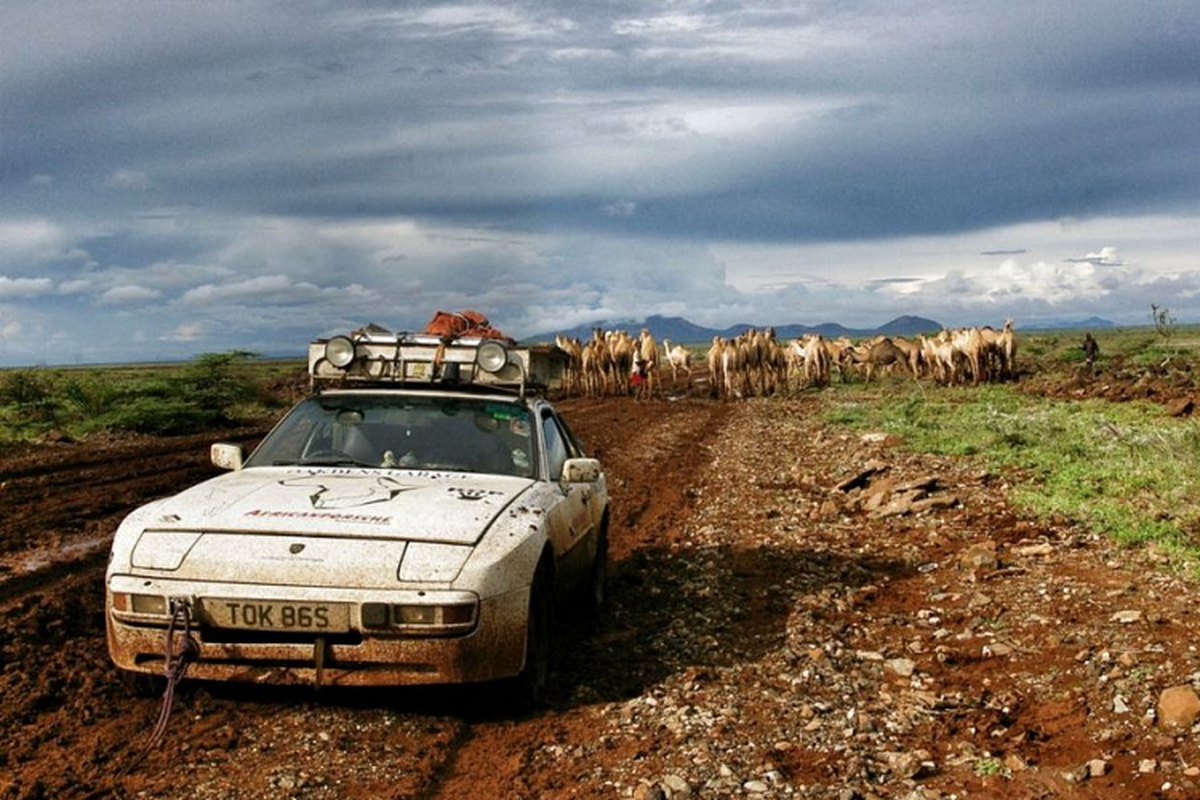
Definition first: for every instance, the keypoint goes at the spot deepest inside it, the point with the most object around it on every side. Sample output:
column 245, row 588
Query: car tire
column 529, row 687
column 593, row 597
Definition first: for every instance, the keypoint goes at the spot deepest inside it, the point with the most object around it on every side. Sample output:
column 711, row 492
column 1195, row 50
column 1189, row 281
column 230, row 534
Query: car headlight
column 491, row 357
column 339, row 351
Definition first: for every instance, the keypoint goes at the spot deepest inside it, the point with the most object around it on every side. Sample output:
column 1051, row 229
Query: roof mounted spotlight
column 491, row 357
column 339, row 351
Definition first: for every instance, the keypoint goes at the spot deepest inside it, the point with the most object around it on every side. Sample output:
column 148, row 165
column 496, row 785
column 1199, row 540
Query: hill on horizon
column 683, row 331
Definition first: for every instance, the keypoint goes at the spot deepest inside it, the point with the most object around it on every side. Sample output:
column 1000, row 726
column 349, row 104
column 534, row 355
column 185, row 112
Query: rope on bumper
column 175, row 668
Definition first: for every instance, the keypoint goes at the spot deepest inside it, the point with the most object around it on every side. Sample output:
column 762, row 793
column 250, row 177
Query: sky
column 183, row 177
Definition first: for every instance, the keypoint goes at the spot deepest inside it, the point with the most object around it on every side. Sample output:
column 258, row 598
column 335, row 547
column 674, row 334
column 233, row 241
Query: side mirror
column 227, row 456
column 581, row 470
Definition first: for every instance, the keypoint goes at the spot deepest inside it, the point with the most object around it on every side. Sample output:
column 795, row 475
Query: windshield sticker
column 332, row 492
column 506, row 412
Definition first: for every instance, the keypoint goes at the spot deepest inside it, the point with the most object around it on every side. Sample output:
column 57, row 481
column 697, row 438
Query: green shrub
column 157, row 415
column 32, row 394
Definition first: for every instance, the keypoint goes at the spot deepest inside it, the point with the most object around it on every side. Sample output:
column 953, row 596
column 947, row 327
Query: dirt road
column 795, row 611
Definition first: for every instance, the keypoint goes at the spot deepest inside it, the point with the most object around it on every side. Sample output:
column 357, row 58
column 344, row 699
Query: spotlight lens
column 491, row 357
column 339, row 351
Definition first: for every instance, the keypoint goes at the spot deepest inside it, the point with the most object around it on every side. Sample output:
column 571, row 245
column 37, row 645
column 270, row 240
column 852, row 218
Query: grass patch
column 1125, row 470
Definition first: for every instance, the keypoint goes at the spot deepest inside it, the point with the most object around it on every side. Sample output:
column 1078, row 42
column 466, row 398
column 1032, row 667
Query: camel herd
column 757, row 363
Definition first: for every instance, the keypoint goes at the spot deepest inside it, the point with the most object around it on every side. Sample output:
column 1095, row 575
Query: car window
column 403, row 432
column 557, row 446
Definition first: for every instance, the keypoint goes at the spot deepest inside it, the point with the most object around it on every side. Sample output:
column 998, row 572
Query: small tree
column 1164, row 323
column 216, row 382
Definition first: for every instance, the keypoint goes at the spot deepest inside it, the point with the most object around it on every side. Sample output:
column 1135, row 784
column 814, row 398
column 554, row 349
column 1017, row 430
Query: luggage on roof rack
column 373, row 355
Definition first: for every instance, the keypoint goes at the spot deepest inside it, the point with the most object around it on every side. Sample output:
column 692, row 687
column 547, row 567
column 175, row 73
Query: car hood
column 445, row 507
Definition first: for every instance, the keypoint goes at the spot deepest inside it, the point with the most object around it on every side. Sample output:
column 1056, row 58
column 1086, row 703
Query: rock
column 978, row 600
column 1042, row 549
column 1077, row 775
column 980, row 556
column 755, row 787
column 997, row 650
column 905, row 765
column 904, row 667
column 649, row 791
column 876, row 500
column 1147, row 766
column 1015, row 762
column 1119, row 705
column 677, row 788
column 1182, row 407
column 1098, row 768
column 862, row 478
column 1126, row 617
column 926, row 484
column 1178, row 707
column 938, row 502
column 899, row 505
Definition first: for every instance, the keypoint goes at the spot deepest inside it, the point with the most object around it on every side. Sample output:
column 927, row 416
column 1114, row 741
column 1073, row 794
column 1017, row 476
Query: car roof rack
column 374, row 357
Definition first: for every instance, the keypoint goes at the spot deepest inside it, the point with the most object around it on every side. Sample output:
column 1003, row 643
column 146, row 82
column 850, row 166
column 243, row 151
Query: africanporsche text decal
column 365, row 519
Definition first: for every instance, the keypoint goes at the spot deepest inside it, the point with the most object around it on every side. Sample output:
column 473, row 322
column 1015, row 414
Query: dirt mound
column 1170, row 384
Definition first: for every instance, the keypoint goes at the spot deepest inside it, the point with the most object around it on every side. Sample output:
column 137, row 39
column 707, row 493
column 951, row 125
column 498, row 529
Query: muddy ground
column 795, row 611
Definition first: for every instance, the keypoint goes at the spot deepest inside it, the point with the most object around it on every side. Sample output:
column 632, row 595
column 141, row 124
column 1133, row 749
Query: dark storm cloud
column 458, row 114
column 330, row 155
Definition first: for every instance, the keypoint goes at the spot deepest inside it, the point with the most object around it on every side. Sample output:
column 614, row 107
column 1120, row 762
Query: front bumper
column 494, row 649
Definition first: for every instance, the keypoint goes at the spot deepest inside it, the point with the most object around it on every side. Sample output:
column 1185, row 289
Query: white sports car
column 379, row 535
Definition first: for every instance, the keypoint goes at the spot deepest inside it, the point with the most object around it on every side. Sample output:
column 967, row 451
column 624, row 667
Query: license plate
column 275, row 615
column 418, row 370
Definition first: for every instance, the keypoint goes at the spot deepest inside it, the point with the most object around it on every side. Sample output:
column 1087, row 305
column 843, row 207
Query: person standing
column 1090, row 349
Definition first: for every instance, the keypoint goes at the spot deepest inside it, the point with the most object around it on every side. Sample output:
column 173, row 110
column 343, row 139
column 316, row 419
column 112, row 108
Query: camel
column 596, row 361
column 1008, row 346
column 716, row 376
column 648, row 352
column 621, row 345
column 912, row 352
column 816, row 360
column 573, row 374
column 679, row 357
column 880, row 352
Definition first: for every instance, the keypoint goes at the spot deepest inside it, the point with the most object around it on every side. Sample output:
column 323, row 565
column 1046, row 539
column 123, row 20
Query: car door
column 570, row 519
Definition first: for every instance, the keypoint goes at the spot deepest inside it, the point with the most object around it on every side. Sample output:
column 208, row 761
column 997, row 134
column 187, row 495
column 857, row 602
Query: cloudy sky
column 187, row 177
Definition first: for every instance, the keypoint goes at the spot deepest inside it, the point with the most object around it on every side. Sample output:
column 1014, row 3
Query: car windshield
column 410, row 432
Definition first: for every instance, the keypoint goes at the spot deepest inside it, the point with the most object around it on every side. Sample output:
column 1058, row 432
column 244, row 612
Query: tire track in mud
column 61, row 511
column 652, row 455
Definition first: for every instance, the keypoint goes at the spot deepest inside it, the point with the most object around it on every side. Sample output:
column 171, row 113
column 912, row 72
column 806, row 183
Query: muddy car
column 423, row 517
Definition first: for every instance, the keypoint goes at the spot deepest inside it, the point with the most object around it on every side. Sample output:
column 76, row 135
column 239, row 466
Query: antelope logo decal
column 333, row 492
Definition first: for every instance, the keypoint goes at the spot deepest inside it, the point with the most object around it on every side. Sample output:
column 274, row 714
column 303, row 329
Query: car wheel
column 594, row 597
column 530, row 684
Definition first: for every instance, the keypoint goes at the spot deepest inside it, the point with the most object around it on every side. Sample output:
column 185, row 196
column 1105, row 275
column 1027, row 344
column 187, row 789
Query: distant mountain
column 909, row 326
column 683, row 331
column 1090, row 322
